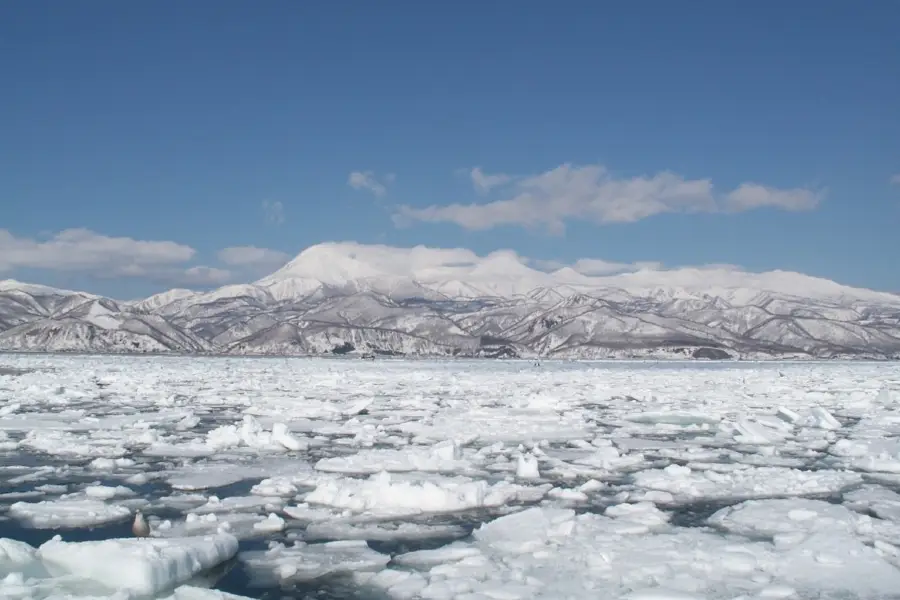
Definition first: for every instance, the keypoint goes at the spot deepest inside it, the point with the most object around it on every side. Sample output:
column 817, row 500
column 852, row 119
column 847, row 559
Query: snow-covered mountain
column 341, row 298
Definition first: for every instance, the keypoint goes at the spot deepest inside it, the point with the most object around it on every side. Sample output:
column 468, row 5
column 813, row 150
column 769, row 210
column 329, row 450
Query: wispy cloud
column 85, row 250
column 895, row 179
column 105, row 257
column 484, row 183
column 251, row 256
column 200, row 276
column 273, row 211
column 369, row 181
column 749, row 196
column 592, row 193
column 596, row 267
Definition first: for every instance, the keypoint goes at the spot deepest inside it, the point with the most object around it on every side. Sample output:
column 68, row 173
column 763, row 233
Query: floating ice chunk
column 884, row 503
column 15, row 556
column 240, row 525
column 250, row 433
column 239, row 503
column 68, row 512
column 748, row 431
column 201, row 476
column 281, row 435
column 402, row 585
column 354, row 408
column 678, row 418
column 644, row 513
column 308, row 562
column 874, row 455
column 309, row 514
column 64, row 443
column 527, row 467
column 383, row 532
column 567, row 495
column 660, row 594
column 109, row 464
column 608, row 459
column 369, row 462
column 770, row 518
column 777, row 591
column 224, row 437
column 749, row 482
column 840, row 564
column 429, row 558
column 448, row 450
column 189, row 592
column 591, row 485
column 105, row 492
column 143, row 566
column 382, row 496
column 886, row 397
column 526, row 530
column 787, row 415
column 189, row 450
column 603, row 456
column 283, row 487
column 270, row 524
column 8, row 410
column 822, row 419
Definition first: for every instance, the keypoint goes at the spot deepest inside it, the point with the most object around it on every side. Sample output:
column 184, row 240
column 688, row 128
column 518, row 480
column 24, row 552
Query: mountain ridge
column 344, row 297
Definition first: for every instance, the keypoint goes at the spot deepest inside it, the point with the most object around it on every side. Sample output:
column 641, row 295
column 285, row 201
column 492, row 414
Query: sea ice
column 116, row 568
column 380, row 495
column 68, row 512
column 719, row 481
column 307, row 562
column 141, row 566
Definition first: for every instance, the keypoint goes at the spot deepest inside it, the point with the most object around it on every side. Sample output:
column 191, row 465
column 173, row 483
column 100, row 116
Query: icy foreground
column 133, row 567
column 346, row 298
column 446, row 480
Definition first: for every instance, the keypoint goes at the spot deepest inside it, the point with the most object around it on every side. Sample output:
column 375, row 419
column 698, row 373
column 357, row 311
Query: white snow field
column 448, row 479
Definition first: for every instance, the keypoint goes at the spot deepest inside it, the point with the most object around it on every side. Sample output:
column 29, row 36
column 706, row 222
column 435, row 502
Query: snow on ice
column 451, row 479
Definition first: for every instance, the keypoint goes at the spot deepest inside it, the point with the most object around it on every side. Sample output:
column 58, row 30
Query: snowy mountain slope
column 344, row 297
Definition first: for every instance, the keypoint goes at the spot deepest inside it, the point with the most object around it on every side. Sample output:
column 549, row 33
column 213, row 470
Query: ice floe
column 452, row 479
column 125, row 567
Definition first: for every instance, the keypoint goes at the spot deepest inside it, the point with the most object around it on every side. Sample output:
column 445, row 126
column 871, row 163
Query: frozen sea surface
column 317, row 478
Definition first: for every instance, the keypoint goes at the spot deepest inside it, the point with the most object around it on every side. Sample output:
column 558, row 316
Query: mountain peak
column 8, row 285
column 339, row 295
column 331, row 263
column 461, row 272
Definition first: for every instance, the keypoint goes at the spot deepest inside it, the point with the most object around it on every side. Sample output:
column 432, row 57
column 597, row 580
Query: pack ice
column 449, row 479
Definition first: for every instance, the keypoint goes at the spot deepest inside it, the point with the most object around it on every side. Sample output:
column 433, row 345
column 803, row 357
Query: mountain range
column 348, row 298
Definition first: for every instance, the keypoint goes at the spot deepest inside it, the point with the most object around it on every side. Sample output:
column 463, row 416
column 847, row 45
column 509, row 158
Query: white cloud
column 484, row 183
column 251, row 256
column 597, row 267
column 201, row 275
column 367, row 180
column 274, row 212
column 104, row 257
column 85, row 251
column 749, row 196
column 593, row 194
column 895, row 179
column 428, row 264
column 198, row 275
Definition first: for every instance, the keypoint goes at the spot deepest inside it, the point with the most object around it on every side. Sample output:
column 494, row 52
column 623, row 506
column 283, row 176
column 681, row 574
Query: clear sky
column 145, row 145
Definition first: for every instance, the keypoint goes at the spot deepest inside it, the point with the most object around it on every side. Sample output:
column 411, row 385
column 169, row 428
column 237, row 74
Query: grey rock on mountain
column 345, row 298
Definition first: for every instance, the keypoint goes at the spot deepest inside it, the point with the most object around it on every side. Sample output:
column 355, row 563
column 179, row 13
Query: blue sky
column 138, row 140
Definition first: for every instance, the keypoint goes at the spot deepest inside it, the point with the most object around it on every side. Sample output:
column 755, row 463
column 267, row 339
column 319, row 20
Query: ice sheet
column 68, row 512
column 115, row 568
column 715, row 481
